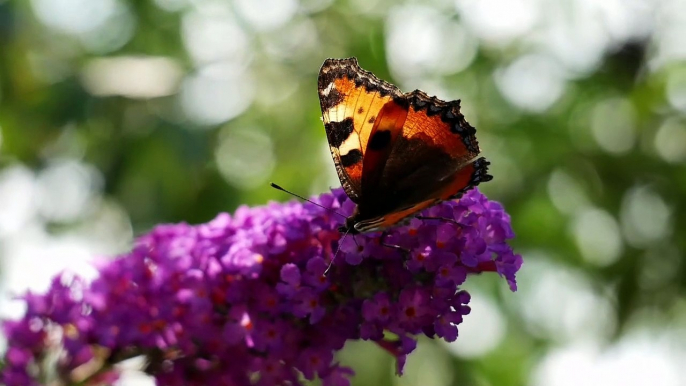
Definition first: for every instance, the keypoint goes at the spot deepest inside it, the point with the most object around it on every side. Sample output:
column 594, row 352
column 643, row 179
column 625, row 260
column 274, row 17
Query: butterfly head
column 355, row 225
column 349, row 226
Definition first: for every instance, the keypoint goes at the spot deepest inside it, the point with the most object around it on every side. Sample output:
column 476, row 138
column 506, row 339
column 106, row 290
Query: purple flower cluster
column 243, row 299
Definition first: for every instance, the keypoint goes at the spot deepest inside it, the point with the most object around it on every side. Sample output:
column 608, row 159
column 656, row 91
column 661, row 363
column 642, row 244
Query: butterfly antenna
column 337, row 249
column 277, row 187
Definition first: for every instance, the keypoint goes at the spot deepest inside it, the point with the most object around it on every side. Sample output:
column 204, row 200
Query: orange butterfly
column 395, row 153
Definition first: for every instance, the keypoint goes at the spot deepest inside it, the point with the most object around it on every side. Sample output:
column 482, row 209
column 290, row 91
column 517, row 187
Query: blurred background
column 116, row 115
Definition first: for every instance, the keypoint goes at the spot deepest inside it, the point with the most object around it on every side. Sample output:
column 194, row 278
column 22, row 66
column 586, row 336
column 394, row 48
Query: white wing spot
column 327, row 90
column 336, row 113
column 350, row 143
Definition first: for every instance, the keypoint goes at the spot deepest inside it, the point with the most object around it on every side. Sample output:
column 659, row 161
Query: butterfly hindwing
column 443, row 123
column 453, row 187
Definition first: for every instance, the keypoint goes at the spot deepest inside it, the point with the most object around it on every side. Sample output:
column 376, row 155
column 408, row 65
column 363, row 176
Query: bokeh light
column 422, row 42
column 75, row 16
column 561, row 304
column 17, row 190
column 645, row 217
column 217, row 93
column 483, row 331
column 637, row 360
column 133, row 77
column 245, row 157
column 533, row 82
column 670, row 141
column 613, row 125
column 597, row 236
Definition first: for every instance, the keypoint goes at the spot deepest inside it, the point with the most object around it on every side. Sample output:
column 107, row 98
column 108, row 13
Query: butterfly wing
column 436, row 143
column 386, row 132
column 351, row 99
column 453, row 187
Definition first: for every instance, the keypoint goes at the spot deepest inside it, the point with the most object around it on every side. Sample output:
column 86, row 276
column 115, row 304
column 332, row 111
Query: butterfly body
column 395, row 153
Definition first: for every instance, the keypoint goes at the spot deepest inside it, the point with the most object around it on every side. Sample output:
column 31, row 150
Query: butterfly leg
column 382, row 241
column 333, row 258
column 444, row 219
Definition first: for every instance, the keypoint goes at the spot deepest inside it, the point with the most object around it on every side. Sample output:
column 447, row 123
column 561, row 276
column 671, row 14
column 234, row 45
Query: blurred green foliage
column 594, row 177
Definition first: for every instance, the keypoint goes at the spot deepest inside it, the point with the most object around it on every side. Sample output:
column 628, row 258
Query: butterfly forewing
column 387, row 130
column 350, row 99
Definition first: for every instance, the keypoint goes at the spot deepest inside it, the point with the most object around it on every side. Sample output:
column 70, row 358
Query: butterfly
column 395, row 153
